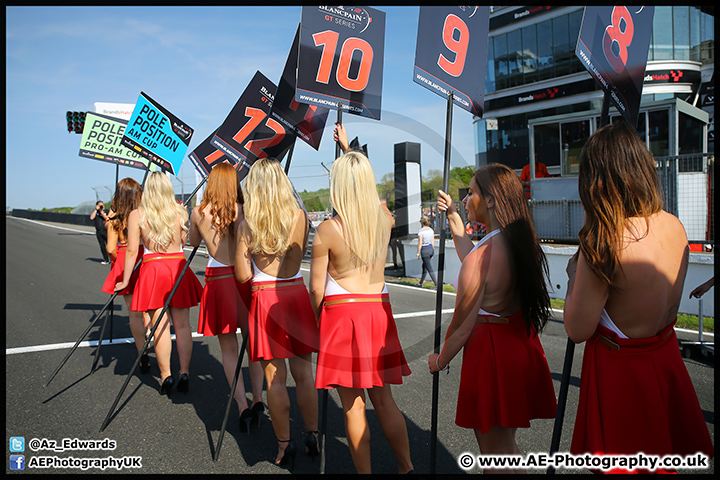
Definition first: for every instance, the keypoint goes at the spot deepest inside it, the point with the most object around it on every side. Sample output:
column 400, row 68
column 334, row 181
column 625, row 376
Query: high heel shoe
column 257, row 412
column 167, row 385
column 246, row 417
column 145, row 363
column 183, row 383
column 311, row 444
column 288, row 454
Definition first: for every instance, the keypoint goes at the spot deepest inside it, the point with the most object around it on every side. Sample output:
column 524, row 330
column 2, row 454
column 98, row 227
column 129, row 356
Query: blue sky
column 196, row 62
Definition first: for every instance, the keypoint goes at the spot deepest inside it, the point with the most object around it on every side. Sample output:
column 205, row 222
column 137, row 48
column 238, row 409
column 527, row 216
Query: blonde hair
column 353, row 194
column 270, row 207
column 160, row 210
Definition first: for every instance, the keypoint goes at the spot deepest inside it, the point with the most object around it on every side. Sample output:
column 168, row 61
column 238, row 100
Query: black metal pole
column 102, row 335
column 232, row 395
column 202, row 182
column 326, row 395
column 438, row 296
column 570, row 347
column 562, row 399
column 147, row 340
column 290, row 153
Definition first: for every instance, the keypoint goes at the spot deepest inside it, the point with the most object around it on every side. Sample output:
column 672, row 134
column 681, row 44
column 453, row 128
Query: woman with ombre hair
column 272, row 241
column 225, row 301
column 501, row 307
column 126, row 199
column 161, row 223
column 624, row 289
column 359, row 346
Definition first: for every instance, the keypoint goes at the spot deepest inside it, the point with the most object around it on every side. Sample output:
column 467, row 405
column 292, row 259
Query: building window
column 681, row 33
column 662, row 48
column 544, row 49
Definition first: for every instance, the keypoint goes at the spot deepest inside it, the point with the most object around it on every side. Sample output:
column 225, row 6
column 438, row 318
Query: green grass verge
column 690, row 322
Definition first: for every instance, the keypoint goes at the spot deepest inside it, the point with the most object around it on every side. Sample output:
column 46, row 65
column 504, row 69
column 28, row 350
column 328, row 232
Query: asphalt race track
column 53, row 280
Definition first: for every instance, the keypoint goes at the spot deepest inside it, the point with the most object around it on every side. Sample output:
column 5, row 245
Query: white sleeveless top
column 212, row 263
column 260, row 276
column 607, row 322
column 334, row 288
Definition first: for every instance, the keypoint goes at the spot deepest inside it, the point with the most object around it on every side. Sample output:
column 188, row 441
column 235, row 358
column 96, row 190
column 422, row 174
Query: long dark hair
column 616, row 181
column 126, row 199
column 529, row 265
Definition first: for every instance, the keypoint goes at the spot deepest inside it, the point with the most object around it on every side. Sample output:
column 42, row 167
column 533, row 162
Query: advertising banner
column 451, row 53
column 157, row 134
column 101, row 140
column 206, row 156
column 307, row 120
column 116, row 110
column 613, row 46
column 235, row 137
column 341, row 59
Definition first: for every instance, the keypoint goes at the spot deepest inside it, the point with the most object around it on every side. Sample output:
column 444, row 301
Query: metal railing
column 688, row 187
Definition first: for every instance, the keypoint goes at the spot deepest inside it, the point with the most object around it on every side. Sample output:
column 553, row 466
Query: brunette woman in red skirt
column 624, row 290
column 502, row 305
column 359, row 346
column 272, row 241
column 127, row 198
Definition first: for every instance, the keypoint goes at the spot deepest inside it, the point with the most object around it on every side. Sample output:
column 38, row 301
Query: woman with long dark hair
column 126, row 199
column 502, row 306
column 624, row 289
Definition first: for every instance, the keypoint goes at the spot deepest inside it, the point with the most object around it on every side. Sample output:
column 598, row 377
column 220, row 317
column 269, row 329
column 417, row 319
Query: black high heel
column 167, row 385
column 183, row 383
column 145, row 363
column 257, row 412
column 246, row 417
column 311, row 444
column 288, row 454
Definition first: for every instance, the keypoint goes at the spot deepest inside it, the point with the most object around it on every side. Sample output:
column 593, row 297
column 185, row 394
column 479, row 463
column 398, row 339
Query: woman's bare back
column 351, row 278
column 220, row 248
column 178, row 240
column 287, row 265
column 650, row 276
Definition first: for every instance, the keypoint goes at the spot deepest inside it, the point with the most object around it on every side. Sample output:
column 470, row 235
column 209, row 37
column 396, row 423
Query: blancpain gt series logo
column 355, row 18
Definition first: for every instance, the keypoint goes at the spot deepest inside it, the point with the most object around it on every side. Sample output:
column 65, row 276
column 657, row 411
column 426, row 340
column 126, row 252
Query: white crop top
column 260, row 276
column 333, row 288
column 607, row 322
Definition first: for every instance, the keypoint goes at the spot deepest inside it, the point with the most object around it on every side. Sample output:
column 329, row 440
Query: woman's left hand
column 432, row 362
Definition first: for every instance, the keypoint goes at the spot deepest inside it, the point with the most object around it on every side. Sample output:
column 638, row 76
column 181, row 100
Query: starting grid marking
column 119, row 341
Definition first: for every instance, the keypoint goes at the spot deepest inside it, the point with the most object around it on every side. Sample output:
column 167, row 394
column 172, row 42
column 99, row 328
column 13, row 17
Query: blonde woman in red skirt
column 624, row 289
column 359, row 346
column 225, row 301
column 161, row 223
column 501, row 307
column 272, row 241
column 127, row 198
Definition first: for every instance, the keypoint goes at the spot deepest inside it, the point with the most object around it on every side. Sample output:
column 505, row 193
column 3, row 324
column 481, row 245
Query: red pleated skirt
column 225, row 302
column 117, row 270
column 359, row 344
column 281, row 322
column 158, row 274
column 638, row 398
column 505, row 379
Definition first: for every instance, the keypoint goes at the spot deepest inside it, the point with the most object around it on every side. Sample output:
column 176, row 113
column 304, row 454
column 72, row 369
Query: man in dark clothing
column 99, row 217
